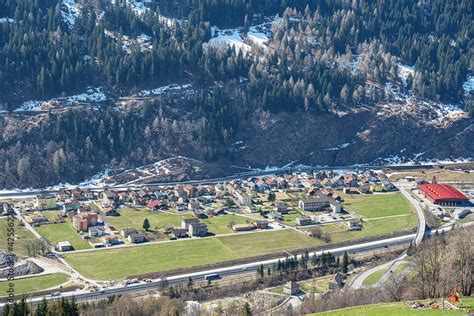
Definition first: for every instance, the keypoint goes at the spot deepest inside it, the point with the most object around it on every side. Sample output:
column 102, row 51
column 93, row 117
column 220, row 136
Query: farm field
column 23, row 236
column 122, row 262
column 62, row 232
column 34, row 284
column 401, row 308
column 133, row 218
column 377, row 205
column 371, row 228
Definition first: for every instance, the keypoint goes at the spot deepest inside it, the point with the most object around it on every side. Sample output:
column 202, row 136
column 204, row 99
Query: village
column 80, row 219
column 183, row 228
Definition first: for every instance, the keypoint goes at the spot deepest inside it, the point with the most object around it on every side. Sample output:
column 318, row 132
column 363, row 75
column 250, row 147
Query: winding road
column 405, row 189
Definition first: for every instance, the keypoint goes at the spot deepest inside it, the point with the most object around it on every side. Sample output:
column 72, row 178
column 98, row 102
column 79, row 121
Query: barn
column 442, row 194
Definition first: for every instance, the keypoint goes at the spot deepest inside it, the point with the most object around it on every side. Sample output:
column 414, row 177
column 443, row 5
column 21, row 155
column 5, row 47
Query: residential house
column 179, row 232
column 154, row 205
column 337, row 182
column 281, row 208
column 351, row 190
column 136, row 238
column 109, row 210
column 376, row 188
column 62, row 195
column 194, row 205
column 291, row 288
column 303, row 220
column 64, row 246
column 388, row 186
column 243, row 198
column 354, row 225
column 219, row 189
column 111, row 240
column 125, row 232
column 71, row 206
column 261, row 223
column 190, row 190
column 96, row 231
column 88, row 194
column 77, row 194
column 350, row 180
column 188, row 221
column 109, row 197
column 364, row 188
column 197, row 229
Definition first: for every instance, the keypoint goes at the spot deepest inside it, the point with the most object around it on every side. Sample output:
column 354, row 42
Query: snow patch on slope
column 7, row 20
column 341, row 146
column 404, row 71
column 227, row 38
column 257, row 36
column 164, row 89
column 468, row 85
column 70, row 11
column 91, row 95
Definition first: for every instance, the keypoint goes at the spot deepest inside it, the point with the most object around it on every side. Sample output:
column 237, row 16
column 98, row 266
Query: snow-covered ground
column 92, row 95
column 404, row 71
column 7, row 20
column 164, row 89
column 468, row 85
column 143, row 41
column 228, row 38
column 257, row 36
column 341, row 146
column 402, row 160
column 70, row 11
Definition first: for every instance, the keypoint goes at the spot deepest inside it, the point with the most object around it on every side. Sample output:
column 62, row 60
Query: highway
column 242, row 269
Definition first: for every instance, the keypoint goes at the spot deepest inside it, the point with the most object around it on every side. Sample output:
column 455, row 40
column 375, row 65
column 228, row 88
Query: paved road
column 241, row 269
column 405, row 188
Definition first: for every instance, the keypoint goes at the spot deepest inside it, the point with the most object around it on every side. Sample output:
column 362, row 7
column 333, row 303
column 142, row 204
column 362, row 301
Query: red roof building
column 442, row 194
column 154, row 204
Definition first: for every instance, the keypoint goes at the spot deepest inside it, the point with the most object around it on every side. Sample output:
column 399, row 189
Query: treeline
column 64, row 307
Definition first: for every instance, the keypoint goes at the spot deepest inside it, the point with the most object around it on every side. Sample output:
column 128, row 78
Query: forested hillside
column 249, row 63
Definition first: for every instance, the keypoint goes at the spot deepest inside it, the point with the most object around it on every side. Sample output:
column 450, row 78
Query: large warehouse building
column 442, row 194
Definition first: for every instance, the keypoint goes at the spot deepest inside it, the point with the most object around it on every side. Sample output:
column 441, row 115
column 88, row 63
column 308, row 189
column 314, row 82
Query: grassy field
column 51, row 215
column 400, row 308
column 133, row 218
column 62, row 232
column 371, row 228
column 218, row 224
column 377, row 205
column 374, row 277
column 122, row 262
column 34, row 284
column 23, row 236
